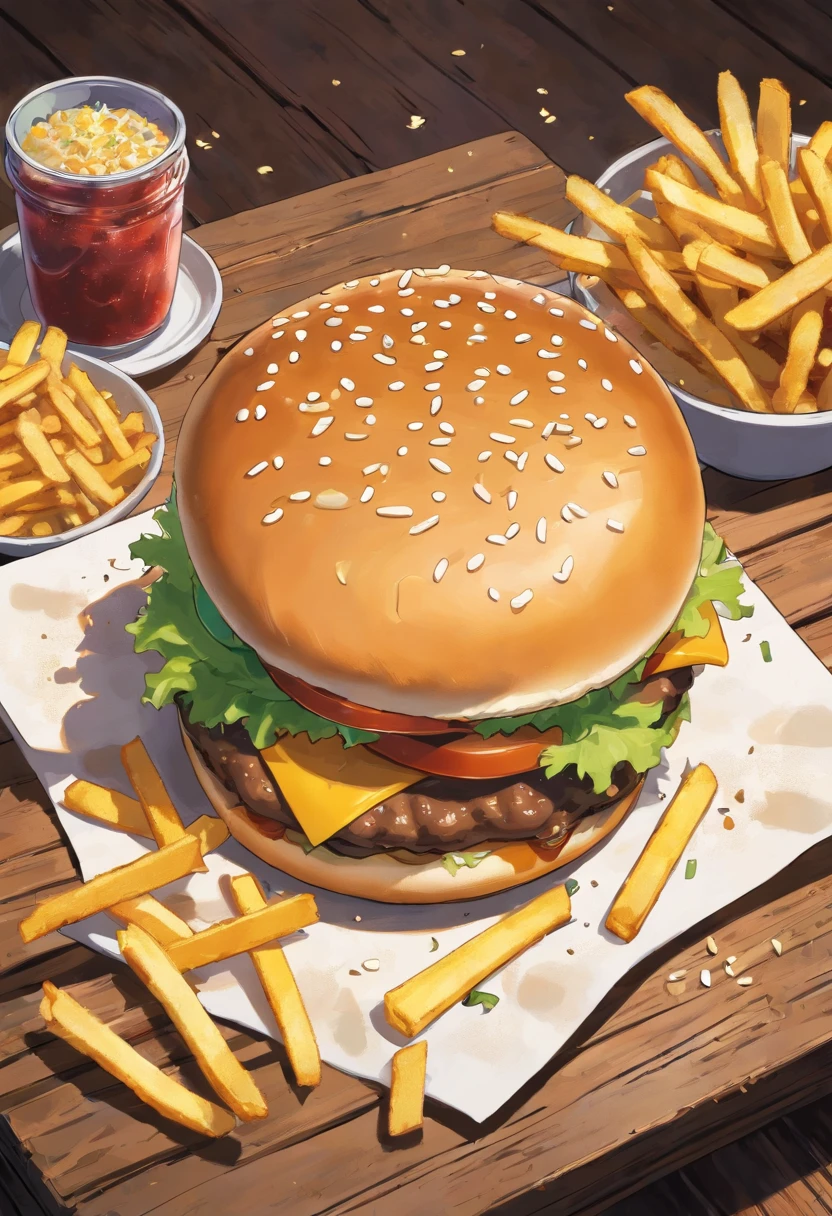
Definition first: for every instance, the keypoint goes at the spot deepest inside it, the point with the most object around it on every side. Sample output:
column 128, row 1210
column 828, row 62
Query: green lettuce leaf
column 456, row 861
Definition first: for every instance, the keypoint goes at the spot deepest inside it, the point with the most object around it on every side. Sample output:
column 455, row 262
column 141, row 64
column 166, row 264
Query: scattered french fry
column 407, row 1088
column 781, row 210
column 738, row 137
column 23, row 343
column 817, row 178
column 91, row 481
column 223, row 1070
column 731, row 225
column 23, row 382
column 149, row 914
column 804, row 340
column 617, row 220
column 417, row 1002
column 649, row 875
column 281, row 990
column 774, row 122
column 87, row 1034
column 155, row 800
column 246, row 933
column 100, row 410
column 714, row 260
column 30, row 433
column 785, row 293
column 821, row 141
column 53, row 348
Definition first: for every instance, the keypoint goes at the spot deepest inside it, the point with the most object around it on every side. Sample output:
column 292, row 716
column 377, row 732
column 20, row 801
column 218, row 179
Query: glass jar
column 101, row 253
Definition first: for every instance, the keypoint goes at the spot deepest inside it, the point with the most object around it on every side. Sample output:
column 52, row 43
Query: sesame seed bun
column 449, row 495
column 399, row 877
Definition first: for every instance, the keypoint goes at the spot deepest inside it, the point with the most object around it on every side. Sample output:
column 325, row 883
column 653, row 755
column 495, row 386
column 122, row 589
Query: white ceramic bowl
column 130, row 398
column 761, row 447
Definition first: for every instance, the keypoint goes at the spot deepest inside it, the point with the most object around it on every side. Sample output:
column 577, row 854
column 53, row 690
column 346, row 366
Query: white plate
column 196, row 304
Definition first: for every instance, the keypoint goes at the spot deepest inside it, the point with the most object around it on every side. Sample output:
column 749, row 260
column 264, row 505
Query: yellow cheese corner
column 328, row 785
column 685, row 652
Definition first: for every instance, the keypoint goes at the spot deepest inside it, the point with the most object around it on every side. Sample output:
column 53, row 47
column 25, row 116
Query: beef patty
column 440, row 814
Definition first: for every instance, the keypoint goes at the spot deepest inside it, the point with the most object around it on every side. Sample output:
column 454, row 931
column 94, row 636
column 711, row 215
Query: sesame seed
column 300, row 334
column 297, row 316
column 405, row 279
column 599, row 424
column 475, row 338
column 418, row 340
column 438, row 465
column 388, row 360
column 443, row 354
column 705, row 977
column 614, row 525
column 483, row 307
column 259, row 412
column 249, row 350
column 503, row 369
column 370, row 419
column 326, row 304
column 573, row 441
column 415, row 426
column 540, row 530
column 331, row 500
column 491, row 295
column 555, row 375
column 576, row 510
column 395, row 512
column 439, row 495
column 607, row 384
column 566, row 515
column 512, row 499
column 401, row 451
column 519, row 397
column 374, row 282
column 376, row 308
column 242, row 415
column 335, row 345
column 445, row 325
column 482, row 371
column 432, row 386
column 430, row 522
column 745, row 981
column 447, row 428
column 356, row 435
column 637, row 451
column 384, row 469
column 333, row 321
column 358, row 337
column 325, row 461
column 547, row 430
column 322, row 424
column 499, row 437
column 279, row 333
column 610, row 479
column 273, row 516
column 521, row 461
column 474, row 386
column 630, row 420
column 453, row 298
column 258, row 468
column 483, row 456
column 439, row 569
column 525, row 422
column 538, row 299
column 547, row 354
column 510, row 314
column 313, row 407
column 387, row 342
column 364, row 401
column 556, row 312
column 582, row 364
column 300, row 496
column 712, row 946
column 442, row 303
column 510, row 455
column 293, row 357
column 313, row 396
column 481, row 492
column 525, row 597
column 436, row 405
column 511, row 531
column 272, row 369
column 434, row 366
column 590, row 417
column 352, row 283
column 566, row 569
column 556, row 388
column 440, row 443
column 522, row 337
column 267, row 384
column 496, row 538
column 556, row 340
column 564, row 428
column 475, row 562
column 479, row 400
column 278, row 462
column 587, row 324
column 554, row 463
column 367, row 493
column 636, row 366
column 493, row 594
column 418, row 326
column 363, row 329
column 406, row 291
column 396, row 386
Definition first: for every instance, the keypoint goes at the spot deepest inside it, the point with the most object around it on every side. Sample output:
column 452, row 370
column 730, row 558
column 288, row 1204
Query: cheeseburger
column 433, row 585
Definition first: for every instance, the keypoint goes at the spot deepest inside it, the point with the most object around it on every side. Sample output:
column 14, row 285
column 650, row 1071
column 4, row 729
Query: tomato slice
column 347, row 713
column 470, row 755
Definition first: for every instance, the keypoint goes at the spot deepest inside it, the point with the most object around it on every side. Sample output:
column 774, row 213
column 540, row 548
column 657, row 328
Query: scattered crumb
column 543, row 91
column 215, row 134
column 357, row 918
column 711, row 946
column 662, row 797
column 740, row 796
column 802, row 101
column 777, row 946
column 457, row 52
column 728, row 823
column 677, row 975
column 592, row 881
column 264, row 169
column 586, row 924
column 551, row 118
column 569, row 950
column 336, row 83
column 450, row 170
column 416, row 121
column 747, row 637
column 590, row 137
column 371, row 964
column 705, row 978
column 751, row 750
column 745, row 981
column 43, row 635
column 354, row 972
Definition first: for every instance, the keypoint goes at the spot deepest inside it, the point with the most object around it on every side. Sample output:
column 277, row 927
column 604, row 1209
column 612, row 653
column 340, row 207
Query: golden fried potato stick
column 719, row 299
column 657, row 324
column 738, row 137
column 796, row 285
column 100, row 410
column 23, row 343
column 804, row 341
column 617, row 220
column 817, row 178
column 704, row 333
column 821, row 141
column 417, row 1002
column 825, row 393
column 730, row 225
column 781, row 210
column 124, row 882
column 233, row 1083
column 12, row 524
column 149, row 914
column 30, row 433
column 91, row 481
column 649, row 875
column 15, row 493
column 155, row 800
column 657, row 108
column 407, row 1088
column 774, row 123
column 281, row 990
column 23, row 382
column 710, row 258
column 87, row 1034
column 83, row 430
column 107, row 806
column 585, row 255
column 53, row 348
column 245, row 933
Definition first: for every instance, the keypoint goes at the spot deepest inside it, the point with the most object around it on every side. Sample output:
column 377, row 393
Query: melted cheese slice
column 328, row 785
column 678, row 651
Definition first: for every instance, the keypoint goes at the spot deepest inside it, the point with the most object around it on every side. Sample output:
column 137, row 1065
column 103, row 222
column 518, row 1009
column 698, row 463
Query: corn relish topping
column 94, row 141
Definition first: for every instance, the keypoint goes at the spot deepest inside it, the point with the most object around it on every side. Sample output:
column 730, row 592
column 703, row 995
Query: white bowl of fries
column 80, row 443
column 714, row 257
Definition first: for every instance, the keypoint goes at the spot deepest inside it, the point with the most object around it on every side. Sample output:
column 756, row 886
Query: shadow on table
column 754, row 497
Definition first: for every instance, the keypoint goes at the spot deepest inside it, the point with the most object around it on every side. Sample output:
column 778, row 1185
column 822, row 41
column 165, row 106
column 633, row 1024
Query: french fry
column 710, row 258
column 657, row 108
column 32, row 438
column 11, row 458
column 585, row 254
column 738, row 137
column 657, row 324
column 124, row 882
column 91, row 481
column 223, row 1070
column 53, row 348
column 51, row 424
column 23, row 343
column 87, row 1034
column 281, row 990
column 245, row 933
column 682, row 226
column 149, row 914
column 615, row 219
column 15, row 493
column 407, row 1088
column 719, row 298
column 704, row 334
column 780, row 204
column 821, row 141
column 23, row 382
column 679, row 171
column 107, row 806
column 100, row 410
column 43, row 528
column 825, row 393
column 804, row 206
column 83, row 430
column 12, row 524
column 115, row 472
column 774, row 122
column 730, row 225
column 817, row 178
column 648, row 877
column 155, row 800
column 132, row 424
column 825, row 357
column 417, row 1002
column 89, row 508
column 795, row 286
column 804, row 340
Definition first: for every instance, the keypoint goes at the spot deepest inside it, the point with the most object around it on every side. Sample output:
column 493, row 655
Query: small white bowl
column 130, row 398
column 760, row 447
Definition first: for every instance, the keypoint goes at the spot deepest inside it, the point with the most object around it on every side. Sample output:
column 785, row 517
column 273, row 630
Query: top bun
column 441, row 493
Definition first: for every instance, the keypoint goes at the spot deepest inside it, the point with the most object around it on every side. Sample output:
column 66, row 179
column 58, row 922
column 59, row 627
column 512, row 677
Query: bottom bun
column 416, row 880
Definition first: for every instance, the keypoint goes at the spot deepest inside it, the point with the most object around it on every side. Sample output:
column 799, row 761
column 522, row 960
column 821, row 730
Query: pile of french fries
column 160, row 948
column 66, row 454
column 734, row 280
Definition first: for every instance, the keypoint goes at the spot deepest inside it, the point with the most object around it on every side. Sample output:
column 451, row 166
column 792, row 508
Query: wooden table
column 651, row 1082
